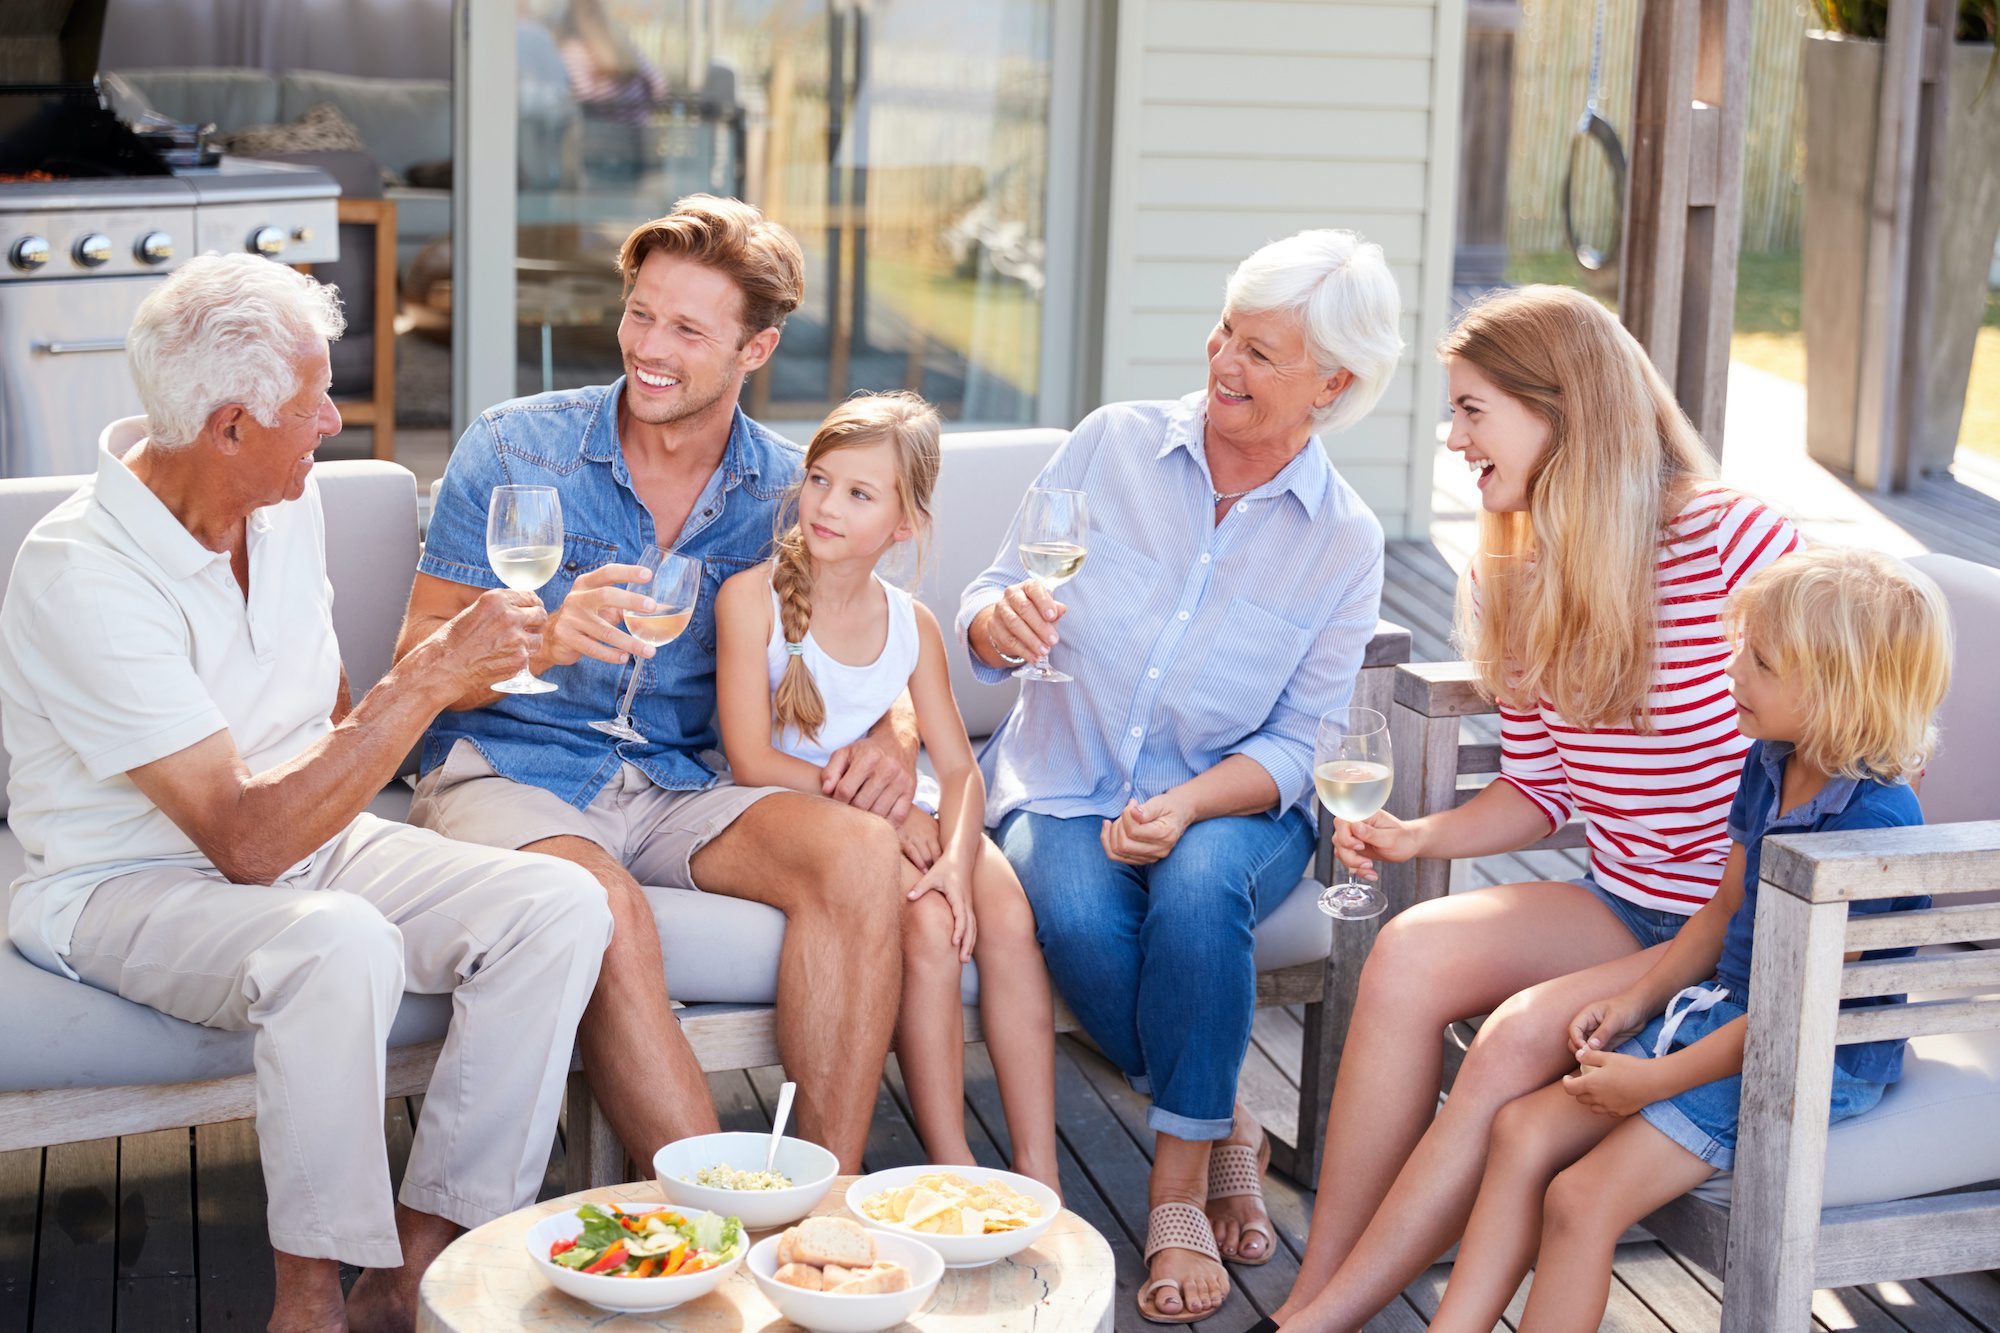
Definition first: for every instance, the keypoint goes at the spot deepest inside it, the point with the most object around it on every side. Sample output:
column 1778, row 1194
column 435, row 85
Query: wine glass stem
column 631, row 688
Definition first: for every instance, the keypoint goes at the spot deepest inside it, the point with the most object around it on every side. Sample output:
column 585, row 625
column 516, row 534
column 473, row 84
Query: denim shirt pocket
column 581, row 554
column 715, row 570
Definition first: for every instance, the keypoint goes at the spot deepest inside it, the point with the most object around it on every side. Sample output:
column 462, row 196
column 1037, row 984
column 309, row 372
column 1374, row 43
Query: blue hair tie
column 795, row 649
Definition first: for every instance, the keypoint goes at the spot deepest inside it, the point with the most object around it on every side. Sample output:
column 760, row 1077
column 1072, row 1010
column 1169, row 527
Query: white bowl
column 959, row 1251
column 811, row 1168
column 627, row 1295
column 827, row 1313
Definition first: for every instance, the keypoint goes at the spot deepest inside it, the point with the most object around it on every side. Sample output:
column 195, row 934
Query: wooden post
column 1787, row 1080
column 1684, row 198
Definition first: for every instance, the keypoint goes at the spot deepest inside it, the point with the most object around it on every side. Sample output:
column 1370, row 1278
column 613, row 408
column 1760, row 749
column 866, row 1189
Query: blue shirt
column 1190, row 640
column 1843, row 803
column 569, row 440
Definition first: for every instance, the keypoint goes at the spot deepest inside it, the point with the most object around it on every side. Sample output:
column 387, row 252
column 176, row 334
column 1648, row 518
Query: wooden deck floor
column 166, row 1231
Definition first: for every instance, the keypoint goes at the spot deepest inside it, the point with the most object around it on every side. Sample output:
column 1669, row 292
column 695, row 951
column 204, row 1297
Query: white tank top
column 856, row 697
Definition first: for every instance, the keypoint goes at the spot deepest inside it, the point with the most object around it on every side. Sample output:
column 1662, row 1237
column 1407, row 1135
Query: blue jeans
column 1156, row 960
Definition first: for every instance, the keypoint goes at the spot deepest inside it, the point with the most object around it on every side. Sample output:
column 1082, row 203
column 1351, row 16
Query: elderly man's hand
column 1023, row 622
column 491, row 639
column 1143, row 834
column 587, row 624
column 869, row 776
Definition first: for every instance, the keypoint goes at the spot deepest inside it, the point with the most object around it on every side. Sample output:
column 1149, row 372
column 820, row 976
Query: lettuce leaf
column 722, row 1236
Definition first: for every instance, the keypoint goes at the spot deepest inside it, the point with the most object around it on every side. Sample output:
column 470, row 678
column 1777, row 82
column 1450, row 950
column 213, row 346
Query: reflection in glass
column 906, row 146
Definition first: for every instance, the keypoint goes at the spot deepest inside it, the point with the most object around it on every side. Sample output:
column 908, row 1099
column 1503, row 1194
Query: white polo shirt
column 124, row 640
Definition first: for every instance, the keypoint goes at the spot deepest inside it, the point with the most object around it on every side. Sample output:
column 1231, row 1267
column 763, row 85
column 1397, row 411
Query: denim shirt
column 569, row 440
column 1844, row 803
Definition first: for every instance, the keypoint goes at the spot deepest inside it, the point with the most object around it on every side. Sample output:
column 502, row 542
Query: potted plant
column 1843, row 80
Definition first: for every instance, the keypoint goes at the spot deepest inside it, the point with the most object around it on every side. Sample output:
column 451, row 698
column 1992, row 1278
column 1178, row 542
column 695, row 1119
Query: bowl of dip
column 724, row 1173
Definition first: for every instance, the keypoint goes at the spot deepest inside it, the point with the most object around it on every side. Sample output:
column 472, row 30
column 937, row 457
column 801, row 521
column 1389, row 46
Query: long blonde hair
column 1567, row 591
column 1866, row 641
column 911, row 424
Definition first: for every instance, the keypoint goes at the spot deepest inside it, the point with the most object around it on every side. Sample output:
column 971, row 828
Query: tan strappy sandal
column 1175, row 1226
column 1236, row 1170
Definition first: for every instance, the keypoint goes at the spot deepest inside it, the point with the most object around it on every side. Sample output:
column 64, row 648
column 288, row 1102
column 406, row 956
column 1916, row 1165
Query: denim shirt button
column 570, row 566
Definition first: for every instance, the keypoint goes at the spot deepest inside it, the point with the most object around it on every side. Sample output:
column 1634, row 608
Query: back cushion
column 1960, row 783
column 371, row 555
column 230, row 99
column 981, row 485
column 403, row 121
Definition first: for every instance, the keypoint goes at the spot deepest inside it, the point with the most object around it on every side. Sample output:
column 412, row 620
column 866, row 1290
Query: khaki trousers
column 316, row 966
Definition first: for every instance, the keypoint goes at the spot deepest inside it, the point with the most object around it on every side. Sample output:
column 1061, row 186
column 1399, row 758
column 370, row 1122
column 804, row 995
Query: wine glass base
column 622, row 730
column 525, row 684
column 1352, row 902
column 1035, row 671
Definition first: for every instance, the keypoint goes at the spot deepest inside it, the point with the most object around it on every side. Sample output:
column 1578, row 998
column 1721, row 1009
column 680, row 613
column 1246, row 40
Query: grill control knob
column 29, row 253
column 93, row 251
column 303, row 235
column 155, row 247
column 267, row 241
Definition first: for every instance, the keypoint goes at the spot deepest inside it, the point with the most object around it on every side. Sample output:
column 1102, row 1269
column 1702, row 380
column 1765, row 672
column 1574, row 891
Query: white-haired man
column 189, row 782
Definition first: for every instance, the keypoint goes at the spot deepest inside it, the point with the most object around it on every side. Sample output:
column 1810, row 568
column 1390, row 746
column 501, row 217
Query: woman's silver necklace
column 1222, row 496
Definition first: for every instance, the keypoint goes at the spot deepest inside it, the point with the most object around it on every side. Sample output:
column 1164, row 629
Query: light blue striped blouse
column 1190, row 640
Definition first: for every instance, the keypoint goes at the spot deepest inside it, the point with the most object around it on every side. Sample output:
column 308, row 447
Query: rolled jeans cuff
column 1181, row 1127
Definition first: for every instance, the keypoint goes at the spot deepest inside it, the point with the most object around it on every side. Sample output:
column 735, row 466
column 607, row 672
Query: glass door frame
column 485, row 107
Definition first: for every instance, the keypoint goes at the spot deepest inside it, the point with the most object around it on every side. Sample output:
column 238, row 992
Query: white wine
column 524, row 568
column 1053, row 562
column 1352, row 788
column 658, row 629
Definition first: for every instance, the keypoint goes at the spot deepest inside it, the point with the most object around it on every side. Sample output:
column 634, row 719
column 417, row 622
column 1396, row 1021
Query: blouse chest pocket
column 580, row 555
column 1252, row 658
column 1108, row 601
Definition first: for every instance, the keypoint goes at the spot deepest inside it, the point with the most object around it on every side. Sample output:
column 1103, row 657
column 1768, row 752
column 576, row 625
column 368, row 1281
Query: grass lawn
column 1767, row 333
column 997, row 325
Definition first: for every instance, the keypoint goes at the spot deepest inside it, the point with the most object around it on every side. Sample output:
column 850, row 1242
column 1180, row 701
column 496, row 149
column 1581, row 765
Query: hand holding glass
column 674, row 588
column 524, row 537
column 1352, row 771
column 1054, row 527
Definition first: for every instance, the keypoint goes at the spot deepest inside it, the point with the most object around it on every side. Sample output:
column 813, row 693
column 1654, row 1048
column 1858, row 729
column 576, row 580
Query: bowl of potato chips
column 971, row 1215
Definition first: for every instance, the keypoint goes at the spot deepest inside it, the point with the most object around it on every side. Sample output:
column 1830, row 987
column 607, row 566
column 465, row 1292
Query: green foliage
column 1977, row 19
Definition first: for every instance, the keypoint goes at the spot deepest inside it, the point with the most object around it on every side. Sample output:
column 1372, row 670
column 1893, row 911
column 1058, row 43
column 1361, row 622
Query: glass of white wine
column 674, row 588
column 1352, row 770
column 1054, row 529
column 524, row 537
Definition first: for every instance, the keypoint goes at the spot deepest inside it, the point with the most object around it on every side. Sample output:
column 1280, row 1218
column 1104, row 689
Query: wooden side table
column 484, row 1283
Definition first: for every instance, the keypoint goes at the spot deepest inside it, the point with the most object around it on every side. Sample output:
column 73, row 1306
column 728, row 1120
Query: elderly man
column 664, row 455
column 189, row 780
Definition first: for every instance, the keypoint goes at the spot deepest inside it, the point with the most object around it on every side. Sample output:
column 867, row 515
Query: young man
column 189, row 784
column 664, row 455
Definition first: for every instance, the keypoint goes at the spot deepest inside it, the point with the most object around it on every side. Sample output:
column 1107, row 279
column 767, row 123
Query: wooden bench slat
column 1899, row 976
column 1922, row 1019
column 1930, row 925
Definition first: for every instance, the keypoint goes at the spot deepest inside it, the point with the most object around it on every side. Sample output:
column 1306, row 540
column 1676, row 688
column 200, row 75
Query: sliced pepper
column 696, row 1265
column 610, row 1259
column 675, row 1258
column 562, row 1246
column 647, row 1267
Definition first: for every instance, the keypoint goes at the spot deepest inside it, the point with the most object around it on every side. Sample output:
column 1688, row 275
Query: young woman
column 1592, row 614
column 811, row 650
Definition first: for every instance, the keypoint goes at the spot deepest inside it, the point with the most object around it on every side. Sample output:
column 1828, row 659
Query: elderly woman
column 1159, row 806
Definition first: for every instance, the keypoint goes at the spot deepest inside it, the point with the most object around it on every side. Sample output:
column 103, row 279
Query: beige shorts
column 653, row 832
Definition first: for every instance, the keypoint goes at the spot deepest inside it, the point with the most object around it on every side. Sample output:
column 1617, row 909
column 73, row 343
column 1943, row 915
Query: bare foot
column 380, row 1302
column 1242, row 1225
column 1036, row 1170
column 1203, row 1283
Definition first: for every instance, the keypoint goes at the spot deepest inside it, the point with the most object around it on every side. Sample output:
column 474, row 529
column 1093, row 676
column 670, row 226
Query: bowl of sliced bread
column 833, row 1275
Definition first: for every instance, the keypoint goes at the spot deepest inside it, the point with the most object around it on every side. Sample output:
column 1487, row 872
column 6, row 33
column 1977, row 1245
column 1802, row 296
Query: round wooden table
column 484, row 1283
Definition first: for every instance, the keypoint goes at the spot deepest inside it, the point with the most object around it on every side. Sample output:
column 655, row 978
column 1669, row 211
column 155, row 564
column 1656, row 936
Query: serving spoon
column 778, row 1122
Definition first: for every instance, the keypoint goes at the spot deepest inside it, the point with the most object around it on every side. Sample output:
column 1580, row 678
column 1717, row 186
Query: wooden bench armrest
column 1858, row 864
column 1441, row 689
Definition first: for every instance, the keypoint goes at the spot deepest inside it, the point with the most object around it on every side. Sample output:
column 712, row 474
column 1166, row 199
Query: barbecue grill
column 93, row 215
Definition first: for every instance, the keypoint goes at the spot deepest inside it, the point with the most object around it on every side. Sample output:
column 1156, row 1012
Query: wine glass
column 524, row 537
column 674, row 587
column 1352, row 770
column 1054, row 529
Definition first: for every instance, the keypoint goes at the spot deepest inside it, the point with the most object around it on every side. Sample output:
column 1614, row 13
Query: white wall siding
column 1239, row 121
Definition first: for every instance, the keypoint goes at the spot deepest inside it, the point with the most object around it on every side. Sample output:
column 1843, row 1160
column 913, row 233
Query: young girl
column 812, row 650
column 1842, row 659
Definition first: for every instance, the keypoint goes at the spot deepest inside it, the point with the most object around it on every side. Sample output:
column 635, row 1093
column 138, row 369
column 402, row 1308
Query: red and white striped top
column 1655, row 804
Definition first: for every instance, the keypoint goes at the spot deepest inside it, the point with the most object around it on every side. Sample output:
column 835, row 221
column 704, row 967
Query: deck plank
column 157, row 1289
column 232, row 1248
column 20, row 1204
column 76, row 1256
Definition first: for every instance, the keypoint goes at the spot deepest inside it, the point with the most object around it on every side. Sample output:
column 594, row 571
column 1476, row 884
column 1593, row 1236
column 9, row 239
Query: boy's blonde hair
column 1867, row 642
column 1580, row 632
column 911, row 424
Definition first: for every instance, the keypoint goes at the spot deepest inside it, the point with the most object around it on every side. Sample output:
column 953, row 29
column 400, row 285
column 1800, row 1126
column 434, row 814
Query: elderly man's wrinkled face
column 1497, row 435
column 272, row 461
column 1263, row 385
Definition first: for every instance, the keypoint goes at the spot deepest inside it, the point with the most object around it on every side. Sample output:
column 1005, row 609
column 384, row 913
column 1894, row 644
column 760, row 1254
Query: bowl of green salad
column 634, row 1258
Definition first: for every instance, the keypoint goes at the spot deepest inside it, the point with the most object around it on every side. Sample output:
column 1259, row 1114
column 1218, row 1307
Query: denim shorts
column 1649, row 925
column 1703, row 1119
